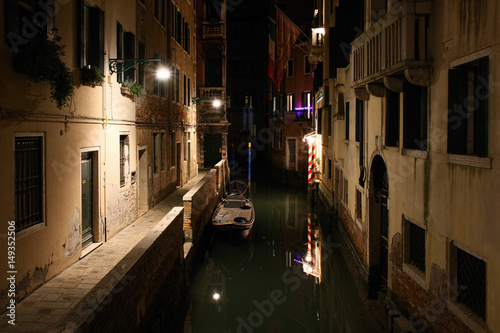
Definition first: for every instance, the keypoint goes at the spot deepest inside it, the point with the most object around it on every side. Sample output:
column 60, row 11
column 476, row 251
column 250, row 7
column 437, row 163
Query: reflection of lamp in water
column 216, row 296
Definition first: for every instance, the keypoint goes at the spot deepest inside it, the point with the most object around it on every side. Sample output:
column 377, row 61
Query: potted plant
column 130, row 88
column 40, row 59
column 92, row 76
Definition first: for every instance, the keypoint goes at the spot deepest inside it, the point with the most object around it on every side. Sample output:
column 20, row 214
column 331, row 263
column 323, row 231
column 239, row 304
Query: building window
column 347, row 121
column 291, row 150
column 307, row 65
column 172, row 149
column 414, row 245
column 185, row 90
column 329, row 120
column 141, row 69
column 358, row 205
column 187, row 38
column 15, row 25
column 274, row 104
column 392, row 118
column 185, row 145
column 289, row 72
column 124, row 154
column 468, row 97
column 329, row 169
column 91, row 36
column 29, row 180
column 159, row 11
column 125, row 49
column 470, row 274
column 189, row 92
column 159, row 86
column 290, row 102
column 177, row 85
column 346, row 191
column 414, row 117
column 359, row 119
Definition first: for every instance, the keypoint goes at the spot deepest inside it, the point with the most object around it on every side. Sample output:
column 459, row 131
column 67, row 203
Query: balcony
column 212, row 30
column 316, row 52
column 207, row 113
column 395, row 45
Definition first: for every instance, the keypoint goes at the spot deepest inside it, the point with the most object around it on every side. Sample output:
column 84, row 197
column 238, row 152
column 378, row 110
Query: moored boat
column 235, row 215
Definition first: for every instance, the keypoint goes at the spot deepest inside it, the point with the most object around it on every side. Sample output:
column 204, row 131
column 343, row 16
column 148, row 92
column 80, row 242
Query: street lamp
column 121, row 65
column 216, row 103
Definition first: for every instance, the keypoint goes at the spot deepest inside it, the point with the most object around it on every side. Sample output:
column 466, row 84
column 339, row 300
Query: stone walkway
column 47, row 308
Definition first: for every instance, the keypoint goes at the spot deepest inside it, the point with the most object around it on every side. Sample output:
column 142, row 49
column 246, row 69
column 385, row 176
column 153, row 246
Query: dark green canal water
column 259, row 285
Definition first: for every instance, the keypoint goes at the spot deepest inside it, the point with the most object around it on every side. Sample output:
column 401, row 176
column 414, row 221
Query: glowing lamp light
column 216, row 103
column 308, row 258
column 162, row 74
column 216, row 296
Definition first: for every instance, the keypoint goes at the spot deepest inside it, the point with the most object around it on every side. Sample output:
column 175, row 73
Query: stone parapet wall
column 118, row 303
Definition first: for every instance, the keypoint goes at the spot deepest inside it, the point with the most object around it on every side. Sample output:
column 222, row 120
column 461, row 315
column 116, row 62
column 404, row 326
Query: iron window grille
column 416, row 246
column 28, row 157
column 471, row 280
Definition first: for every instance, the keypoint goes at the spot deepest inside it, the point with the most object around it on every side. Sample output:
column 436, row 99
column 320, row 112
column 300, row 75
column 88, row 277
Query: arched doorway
column 378, row 226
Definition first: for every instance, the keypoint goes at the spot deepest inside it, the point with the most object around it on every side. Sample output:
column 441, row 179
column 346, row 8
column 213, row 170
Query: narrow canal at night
column 259, row 284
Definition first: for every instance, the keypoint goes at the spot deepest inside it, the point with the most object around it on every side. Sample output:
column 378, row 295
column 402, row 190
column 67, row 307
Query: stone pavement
column 47, row 308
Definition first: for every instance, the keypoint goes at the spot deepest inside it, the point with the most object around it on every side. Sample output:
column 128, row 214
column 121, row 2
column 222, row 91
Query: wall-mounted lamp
column 216, row 103
column 122, row 65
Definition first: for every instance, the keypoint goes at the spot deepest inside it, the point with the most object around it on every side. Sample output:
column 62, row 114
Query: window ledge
column 346, row 141
column 357, row 144
column 30, row 230
column 470, row 319
column 416, row 274
column 414, row 153
column 474, row 161
column 391, row 148
column 89, row 249
column 359, row 224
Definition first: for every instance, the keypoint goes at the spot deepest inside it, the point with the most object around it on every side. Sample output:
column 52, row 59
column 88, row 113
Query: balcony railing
column 215, row 92
column 207, row 113
column 395, row 43
column 212, row 29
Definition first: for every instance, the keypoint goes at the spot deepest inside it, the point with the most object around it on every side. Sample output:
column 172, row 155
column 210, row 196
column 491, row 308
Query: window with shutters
column 124, row 159
column 414, row 249
column 392, row 108
column 468, row 97
column 29, row 180
column 24, row 19
column 414, row 117
column 125, row 49
column 91, row 36
column 347, row 123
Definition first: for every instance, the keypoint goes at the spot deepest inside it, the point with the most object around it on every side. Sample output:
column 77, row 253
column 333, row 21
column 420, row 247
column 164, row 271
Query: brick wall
column 357, row 236
column 119, row 301
column 426, row 309
column 199, row 204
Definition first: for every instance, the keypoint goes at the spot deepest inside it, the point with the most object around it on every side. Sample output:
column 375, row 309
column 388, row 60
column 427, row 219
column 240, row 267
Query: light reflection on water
column 259, row 285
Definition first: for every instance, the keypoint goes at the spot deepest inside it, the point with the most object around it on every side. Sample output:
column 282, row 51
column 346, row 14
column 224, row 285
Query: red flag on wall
column 286, row 35
column 271, row 55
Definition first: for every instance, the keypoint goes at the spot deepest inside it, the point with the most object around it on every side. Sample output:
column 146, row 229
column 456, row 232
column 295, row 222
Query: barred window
column 471, row 281
column 346, row 191
column 414, row 238
column 28, row 159
column 124, row 152
column 358, row 205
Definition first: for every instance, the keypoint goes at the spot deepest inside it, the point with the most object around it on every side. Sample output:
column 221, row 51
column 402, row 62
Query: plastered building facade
column 412, row 86
column 76, row 175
